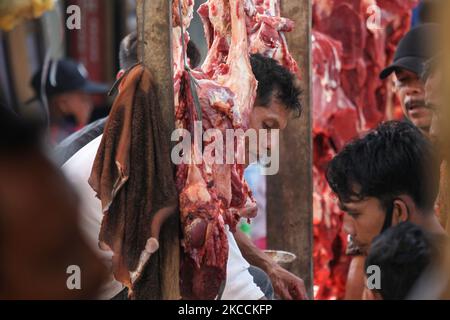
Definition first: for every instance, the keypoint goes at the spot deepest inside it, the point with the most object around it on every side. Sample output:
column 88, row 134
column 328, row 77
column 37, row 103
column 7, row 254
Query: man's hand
column 287, row 285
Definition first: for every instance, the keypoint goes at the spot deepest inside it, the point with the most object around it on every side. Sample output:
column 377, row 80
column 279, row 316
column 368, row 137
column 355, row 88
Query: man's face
column 411, row 93
column 273, row 116
column 434, row 101
column 363, row 220
column 77, row 104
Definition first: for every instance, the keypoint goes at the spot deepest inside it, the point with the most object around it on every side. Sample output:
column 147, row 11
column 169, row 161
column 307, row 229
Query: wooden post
column 442, row 15
column 289, row 193
column 154, row 19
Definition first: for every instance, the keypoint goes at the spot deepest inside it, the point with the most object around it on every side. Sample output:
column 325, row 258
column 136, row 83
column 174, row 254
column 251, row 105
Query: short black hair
column 273, row 78
column 403, row 253
column 128, row 52
column 394, row 159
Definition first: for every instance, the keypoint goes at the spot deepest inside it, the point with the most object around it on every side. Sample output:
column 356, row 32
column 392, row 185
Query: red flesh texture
column 265, row 30
column 365, row 53
column 226, row 91
column 211, row 196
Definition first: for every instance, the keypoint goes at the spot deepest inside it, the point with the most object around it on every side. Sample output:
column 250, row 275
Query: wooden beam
column 154, row 19
column 442, row 15
column 289, row 193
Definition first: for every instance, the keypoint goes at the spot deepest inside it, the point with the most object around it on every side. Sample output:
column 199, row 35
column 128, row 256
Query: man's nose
column 348, row 225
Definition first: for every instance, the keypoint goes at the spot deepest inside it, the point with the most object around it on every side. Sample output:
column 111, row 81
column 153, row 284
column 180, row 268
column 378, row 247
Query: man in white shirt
column 277, row 100
column 240, row 283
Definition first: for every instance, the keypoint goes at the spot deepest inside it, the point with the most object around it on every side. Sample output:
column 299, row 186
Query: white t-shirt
column 239, row 283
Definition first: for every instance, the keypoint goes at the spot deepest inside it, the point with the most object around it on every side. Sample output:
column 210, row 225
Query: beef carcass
column 213, row 197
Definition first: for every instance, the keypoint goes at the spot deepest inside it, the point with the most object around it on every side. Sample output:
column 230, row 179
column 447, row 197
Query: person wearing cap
column 415, row 48
column 127, row 59
column 68, row 91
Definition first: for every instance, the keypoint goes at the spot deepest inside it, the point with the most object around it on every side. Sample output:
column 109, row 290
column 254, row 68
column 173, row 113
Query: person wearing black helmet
column 68, row 91
column 415, row 48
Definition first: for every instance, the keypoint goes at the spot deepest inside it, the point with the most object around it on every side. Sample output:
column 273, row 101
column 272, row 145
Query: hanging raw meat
column 220, row 94
column 212, row 195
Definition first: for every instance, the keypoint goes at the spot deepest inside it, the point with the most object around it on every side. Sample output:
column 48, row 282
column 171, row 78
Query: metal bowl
column 283, row 258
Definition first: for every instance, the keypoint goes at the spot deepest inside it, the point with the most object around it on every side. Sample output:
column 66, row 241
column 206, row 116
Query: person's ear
column 120, row 74
column 400, row 213
column 394, row 80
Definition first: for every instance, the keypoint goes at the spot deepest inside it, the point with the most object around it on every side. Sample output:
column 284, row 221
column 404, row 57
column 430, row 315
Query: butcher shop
column 234, row 150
